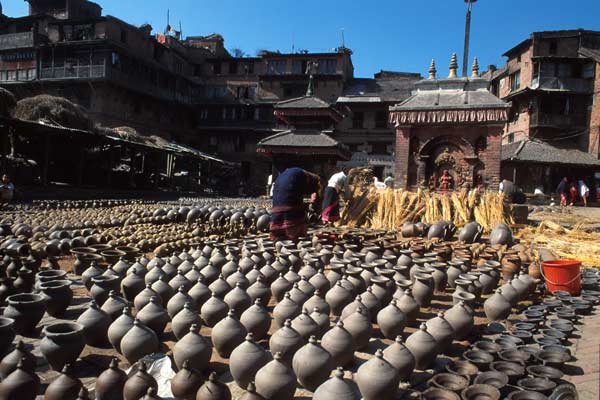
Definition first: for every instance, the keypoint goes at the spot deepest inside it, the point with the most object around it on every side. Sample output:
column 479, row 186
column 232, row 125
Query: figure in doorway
column 446, row 181
column 573, row 193
column 561, row 190
column 584, row 192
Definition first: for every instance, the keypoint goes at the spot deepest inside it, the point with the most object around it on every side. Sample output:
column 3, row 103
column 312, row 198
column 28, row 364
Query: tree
column 238, row 53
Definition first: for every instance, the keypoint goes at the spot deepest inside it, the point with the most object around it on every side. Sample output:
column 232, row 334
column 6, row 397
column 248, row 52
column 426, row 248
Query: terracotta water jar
column 497, row 307
column 138, row 342
column 401, row 358
column 441, row 331
column 119, row 328
column 422, row 289
column 276, row 380
column 20, row 384
column 312, row 365
column 185, row 384
column 181, row 323
column 114, row 305
column 391, row 320
column 359, row 326
column 7, row 335
column 193, row 348
column 137, row 385
column 377, row 379
column 423, row 347
column 213, row 389
column 409, row 306
column 101, row 287
column 256, row 320
column 213, row 310
column 62, row 344
column 26, row 310
column 11, row 360
column 154, row 316
column 460, row 317
column 337, row 298
column 286, row 341
column 109, row 384
column 64, row 387
column 337, row 388
column 245, row 361
column 227, row 334
column 340, row 344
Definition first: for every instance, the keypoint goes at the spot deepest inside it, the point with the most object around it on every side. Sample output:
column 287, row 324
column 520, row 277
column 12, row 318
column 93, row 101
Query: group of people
column 288, row 215
column 570, row 190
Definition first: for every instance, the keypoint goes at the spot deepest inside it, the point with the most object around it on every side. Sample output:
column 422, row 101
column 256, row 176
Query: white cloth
column 583, row 189
column 339, row 182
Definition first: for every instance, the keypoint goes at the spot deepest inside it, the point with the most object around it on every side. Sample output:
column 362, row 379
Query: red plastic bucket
column 562, row 275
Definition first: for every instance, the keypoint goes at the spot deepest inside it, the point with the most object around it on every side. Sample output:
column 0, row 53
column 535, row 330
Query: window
column 553, row 47
column 123, row 36
column 515, row 81
column 276, row 67
column 12, row 76
column 327, row 66
column 217, row 68
column 249, row 67
column 511, row 137
column 233, row 67
column 378, row 148
column 358, row 120
column 381, row 119
column 299, row 67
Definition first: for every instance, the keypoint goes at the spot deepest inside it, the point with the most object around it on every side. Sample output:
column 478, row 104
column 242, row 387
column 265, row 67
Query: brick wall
column 402, row 157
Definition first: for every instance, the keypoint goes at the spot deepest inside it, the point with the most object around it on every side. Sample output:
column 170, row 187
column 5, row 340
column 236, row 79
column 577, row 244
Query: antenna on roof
column 293, row 44
column 180, row 31
column 343, row 39
column 168, row 22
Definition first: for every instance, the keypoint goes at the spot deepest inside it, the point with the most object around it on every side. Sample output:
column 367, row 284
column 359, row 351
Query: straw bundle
column 390, row 209
column 54, row 110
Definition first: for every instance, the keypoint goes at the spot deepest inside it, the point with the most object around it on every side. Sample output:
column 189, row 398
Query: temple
column 449, row 133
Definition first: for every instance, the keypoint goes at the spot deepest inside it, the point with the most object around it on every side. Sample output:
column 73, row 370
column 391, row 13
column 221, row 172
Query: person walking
column 338, row 184
column 561, row 190
column 288, row 215
column 584, row 192
column 573, row 192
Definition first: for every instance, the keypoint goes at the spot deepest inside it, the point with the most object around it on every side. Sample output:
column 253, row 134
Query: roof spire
column 432, row 69
column 453, row 66
column 475, row 69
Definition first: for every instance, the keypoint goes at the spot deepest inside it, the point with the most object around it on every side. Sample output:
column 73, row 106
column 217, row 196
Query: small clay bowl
column 487, row 346
column 544, row 340
column 555, row 359
column 451, row 382
column 525, row 336
column 480, row 358
column 526, row 395
column 565, row 328
column 557, row 347
column 544, row 386
column 529, row 349
column 545, row 372
column 480, row 392
column 496, row 379
column 514, row 371
column 463, row 368
column 439, row 394
column 516, row 356
column 525, row 326
column 553, row 333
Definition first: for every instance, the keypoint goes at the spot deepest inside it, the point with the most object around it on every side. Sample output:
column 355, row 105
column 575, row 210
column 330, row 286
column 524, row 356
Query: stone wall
column 594, row 141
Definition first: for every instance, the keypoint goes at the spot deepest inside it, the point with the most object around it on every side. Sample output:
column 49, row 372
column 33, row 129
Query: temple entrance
column 444, row 171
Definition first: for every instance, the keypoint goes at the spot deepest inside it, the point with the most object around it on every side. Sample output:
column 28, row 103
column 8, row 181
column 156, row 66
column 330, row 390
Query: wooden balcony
column 21, row 40
column 539, row 119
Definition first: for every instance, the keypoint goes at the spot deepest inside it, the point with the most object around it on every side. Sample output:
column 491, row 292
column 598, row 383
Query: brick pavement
column 586, row 350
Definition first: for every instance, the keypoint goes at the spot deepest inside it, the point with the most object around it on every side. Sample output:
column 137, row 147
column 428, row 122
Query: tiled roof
column 536, row 151
column 303, row 102
column 385, row 90
column 300, row 138
column 447, row 94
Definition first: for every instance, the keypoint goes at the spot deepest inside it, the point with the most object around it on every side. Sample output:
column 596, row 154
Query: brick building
column 552, row 80
column 453, row 124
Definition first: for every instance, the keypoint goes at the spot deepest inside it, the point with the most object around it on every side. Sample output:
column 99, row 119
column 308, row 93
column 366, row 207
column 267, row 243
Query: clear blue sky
column 397, row 35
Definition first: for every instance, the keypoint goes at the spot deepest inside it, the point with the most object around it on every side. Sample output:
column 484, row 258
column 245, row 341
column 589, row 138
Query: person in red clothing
column 573, row 192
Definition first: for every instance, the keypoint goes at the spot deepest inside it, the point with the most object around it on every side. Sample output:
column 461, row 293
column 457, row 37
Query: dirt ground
column 569, row 217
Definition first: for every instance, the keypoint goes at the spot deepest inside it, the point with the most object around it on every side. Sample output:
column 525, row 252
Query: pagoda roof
column 308, row 102
column 303, row 141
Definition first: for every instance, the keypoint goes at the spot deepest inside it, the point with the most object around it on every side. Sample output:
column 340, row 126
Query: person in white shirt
column 338, row 184
column 584, row 191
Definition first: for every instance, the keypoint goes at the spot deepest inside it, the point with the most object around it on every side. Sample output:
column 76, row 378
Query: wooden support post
column 111, row 161
column 131, row 167
column 81, row 167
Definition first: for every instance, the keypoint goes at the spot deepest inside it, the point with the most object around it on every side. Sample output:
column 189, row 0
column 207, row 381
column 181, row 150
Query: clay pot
column 359, row 326
column 423, row 347
column 451, row 382
column 58, row 296
column 183, row 321
column 193, row 348
column 11, row 360
column 312, row 365
column 95, row 324
column 49, row 275
column 110, row 383
column 257, row 321
column 337, row 388
column 439, row 394
column 501, row 235
column 316, row 301
column 238, row 300
column 132, row 285
column 493, row 378
column 138, row 342
column 391, row 320
column 497, row 307
column 164, row 291
column 213, row 311
column 64, row 387
column 340, row 344
column 276, row 380
column 154, row 316
column 119, row 328
column 180, row 280
column 213, row 389
column 337, row 298
column 26, row 310
column 401, row 358
column 422, row 289
column 137, row 385
column 177, row 302
column 7, row 335
column 470, row 233
column 511, row 265
column 62, row 344
column 6, row 289
column 441, row 330
column 259, row 290
column 377, row 379
column 487, row 279
column 246, row 359
column 114, row 305
column 463, row 367
column 409, row 306
column 352, row 307
column 101, row 287
column 479, row 391
column 305, row 325
column 20, row 384
column 286, row 341
column 227, row 334
column 460, row 318
column 199, row 292
column 285, row 309
column 512, row 370
column 185, row 384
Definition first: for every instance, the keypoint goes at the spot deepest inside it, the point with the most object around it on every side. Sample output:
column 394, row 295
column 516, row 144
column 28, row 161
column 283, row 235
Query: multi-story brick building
column 551, row 79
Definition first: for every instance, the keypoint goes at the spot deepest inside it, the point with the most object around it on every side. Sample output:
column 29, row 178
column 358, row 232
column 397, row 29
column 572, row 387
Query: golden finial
column 453, row 66
column 432, row 69
column 475, row 69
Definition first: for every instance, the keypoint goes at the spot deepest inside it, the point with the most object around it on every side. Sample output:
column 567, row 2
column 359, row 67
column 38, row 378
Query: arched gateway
column 449, row 133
